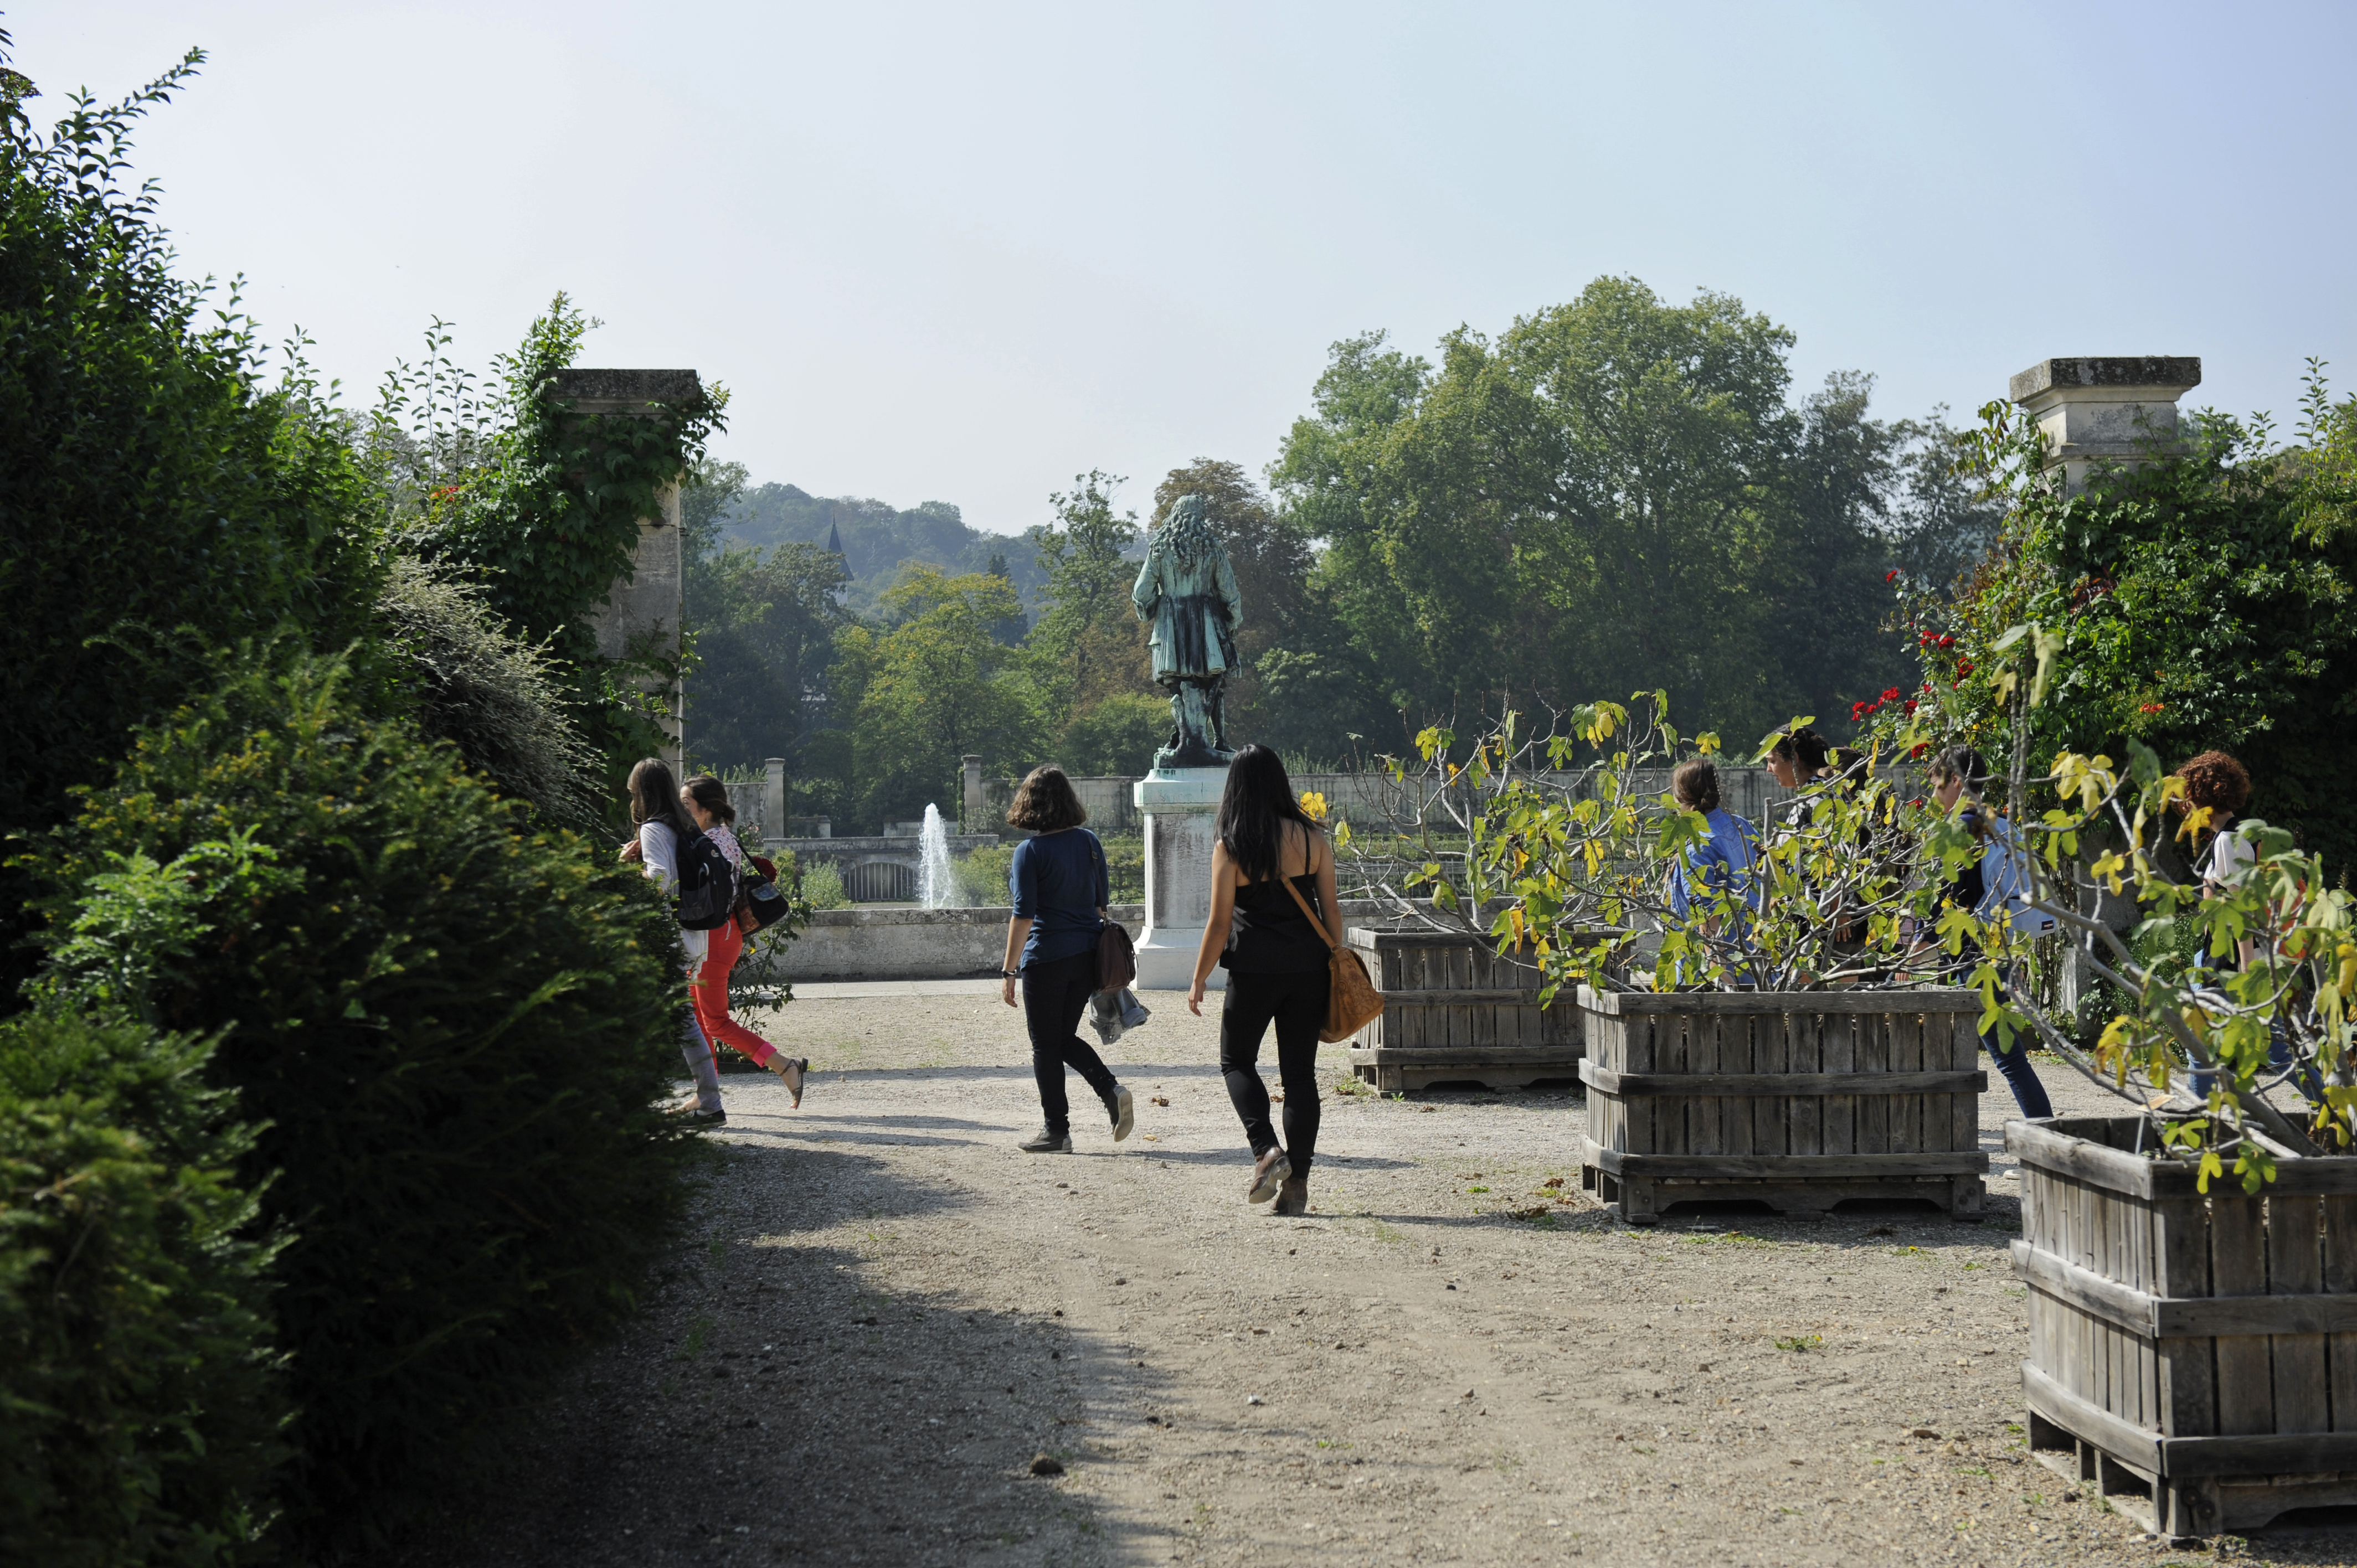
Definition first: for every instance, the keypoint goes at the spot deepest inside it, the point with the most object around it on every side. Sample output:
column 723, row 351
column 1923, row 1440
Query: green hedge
column 454, row 1033
column 140, row 1409
column 162, row 499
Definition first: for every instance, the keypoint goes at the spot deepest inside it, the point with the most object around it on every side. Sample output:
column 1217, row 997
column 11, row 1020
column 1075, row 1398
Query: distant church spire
column 834, row 539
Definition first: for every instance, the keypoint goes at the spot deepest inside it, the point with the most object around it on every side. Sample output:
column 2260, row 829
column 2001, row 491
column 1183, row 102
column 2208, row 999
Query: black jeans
column 1297, row 1004
column 1055, row 995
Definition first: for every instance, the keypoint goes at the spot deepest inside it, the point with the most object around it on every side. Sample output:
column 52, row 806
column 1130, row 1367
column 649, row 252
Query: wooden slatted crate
column 1455, row 1011
column 1800, row 1099
column 2193, row 1357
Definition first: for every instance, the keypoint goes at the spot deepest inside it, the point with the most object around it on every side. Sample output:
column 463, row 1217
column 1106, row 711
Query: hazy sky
column 963, row 253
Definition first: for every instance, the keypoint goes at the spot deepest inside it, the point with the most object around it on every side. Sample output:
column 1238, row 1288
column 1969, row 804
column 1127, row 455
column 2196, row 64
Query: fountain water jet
column 936, row 873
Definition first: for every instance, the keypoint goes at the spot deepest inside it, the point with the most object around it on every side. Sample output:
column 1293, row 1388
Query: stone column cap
column 622, row 391
column 2167, row 373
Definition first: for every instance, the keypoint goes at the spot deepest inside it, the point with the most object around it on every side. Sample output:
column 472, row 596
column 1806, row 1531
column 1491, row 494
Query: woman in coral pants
column 706, row 799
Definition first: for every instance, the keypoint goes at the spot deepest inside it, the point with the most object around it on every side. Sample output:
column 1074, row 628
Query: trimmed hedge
column 140, row 1409
column 454, row 1032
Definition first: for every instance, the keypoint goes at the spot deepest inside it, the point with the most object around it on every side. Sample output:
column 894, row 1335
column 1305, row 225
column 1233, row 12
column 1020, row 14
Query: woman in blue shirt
column 1717, row 872
column 1060, row 889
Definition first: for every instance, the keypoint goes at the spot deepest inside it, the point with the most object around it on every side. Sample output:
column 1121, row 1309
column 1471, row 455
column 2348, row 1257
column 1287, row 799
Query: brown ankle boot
column 1293, row 1196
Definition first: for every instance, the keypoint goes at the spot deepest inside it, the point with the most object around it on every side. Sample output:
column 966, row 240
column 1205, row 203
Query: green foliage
column 540, row 505
column 498, row 699
column 1088, row 642
column 765, row 624
column 140, row 1403
column 983, row 875
column 451, row 1030
column 928, row 688
column 1615, row 495
column 1118, row 735
column 2188, row 604
column 1575, row 845
column 161, row 501
column 821, row 887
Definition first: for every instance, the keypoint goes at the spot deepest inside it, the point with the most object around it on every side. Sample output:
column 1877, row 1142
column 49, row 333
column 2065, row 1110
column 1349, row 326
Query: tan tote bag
column 1351, row 1000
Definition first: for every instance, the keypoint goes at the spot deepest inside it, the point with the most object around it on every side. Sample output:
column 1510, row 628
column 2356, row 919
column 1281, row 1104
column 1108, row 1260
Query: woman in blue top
column 1061, row 891
column 1717, row 872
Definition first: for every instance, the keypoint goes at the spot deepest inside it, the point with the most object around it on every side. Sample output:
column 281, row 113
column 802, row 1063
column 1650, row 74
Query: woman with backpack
column 662, row 829
column 1060, row 888
column 707, row 802
column 1273, row 918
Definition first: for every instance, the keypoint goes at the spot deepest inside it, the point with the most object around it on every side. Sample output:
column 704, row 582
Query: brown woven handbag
column 1351, row 1000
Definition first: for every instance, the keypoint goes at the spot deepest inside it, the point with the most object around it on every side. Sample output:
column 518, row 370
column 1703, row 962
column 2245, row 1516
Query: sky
column 965, row 252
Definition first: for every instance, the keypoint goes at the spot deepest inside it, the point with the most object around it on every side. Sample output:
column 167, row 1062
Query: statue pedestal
column 1180, row 805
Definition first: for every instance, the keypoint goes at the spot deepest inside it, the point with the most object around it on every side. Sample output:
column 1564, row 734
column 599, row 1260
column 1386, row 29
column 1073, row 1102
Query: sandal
column 795, row 1071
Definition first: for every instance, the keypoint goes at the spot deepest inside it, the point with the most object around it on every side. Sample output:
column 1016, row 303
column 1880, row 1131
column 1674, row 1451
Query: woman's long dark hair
column 1253, row 810
column 712, row 795
column 1804, row 748
column 654, row 797
column 1969, row 769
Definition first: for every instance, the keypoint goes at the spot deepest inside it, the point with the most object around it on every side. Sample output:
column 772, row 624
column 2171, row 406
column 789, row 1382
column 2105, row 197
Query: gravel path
column 886, row 1311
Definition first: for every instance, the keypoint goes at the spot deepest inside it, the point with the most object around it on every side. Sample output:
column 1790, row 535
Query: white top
column 659, row 850
column 659, row 857
column 2230, row 854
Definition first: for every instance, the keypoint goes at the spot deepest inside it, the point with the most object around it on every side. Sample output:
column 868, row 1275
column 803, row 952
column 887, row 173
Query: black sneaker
column 702, row 1119
column 1047, row 1141
column 1124, row 1112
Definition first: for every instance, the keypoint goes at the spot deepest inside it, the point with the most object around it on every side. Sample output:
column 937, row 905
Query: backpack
column 708, row 884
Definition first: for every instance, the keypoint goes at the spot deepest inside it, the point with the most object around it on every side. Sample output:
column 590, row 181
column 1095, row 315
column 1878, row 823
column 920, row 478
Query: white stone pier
column 1180, row 805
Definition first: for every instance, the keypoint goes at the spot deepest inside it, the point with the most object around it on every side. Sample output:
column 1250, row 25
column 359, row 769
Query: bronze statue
column 1188, row 590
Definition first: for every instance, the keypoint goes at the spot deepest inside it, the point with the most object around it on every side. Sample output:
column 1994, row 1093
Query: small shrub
column 981, row 877
column 140, row 1405
column 453, row 1032
column 822, row 886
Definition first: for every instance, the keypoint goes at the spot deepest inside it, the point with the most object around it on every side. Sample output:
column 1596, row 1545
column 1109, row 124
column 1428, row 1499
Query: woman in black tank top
column 1275, row 956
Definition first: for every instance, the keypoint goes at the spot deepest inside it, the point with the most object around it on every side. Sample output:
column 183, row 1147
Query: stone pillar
column 1179, row 806
column 645, row 607
column 973, row 805
column 2104, row 412
column 773, row 800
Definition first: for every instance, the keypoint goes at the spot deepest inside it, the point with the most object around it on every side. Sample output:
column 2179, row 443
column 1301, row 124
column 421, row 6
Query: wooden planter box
column 1800, row 1099
column 2195, row 1358
column 1454, row 1011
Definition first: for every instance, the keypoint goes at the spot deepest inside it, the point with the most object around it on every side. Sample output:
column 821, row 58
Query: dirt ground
column 886, row 1311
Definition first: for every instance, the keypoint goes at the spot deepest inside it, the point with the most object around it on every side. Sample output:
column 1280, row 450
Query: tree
column 1088, row 635
column 1614, row 495
column 930, row 687
column 765, row 624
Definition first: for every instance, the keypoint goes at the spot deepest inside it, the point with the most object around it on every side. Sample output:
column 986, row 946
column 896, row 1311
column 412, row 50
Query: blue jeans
column 2310, row 1082
column 2019, row 1076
